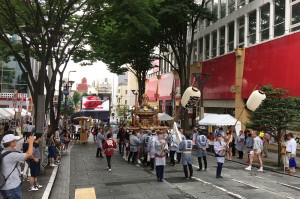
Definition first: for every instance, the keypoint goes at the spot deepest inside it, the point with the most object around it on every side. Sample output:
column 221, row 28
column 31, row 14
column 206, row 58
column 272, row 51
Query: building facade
column 124, row 94
column 252, row 42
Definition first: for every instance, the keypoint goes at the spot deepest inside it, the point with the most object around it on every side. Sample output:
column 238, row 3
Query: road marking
column 220, row 188
column 85, row 193
column 244, row 183
column 47, row 191
column 291, row 186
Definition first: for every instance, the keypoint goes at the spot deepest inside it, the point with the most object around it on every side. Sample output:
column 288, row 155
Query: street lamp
column 201, row 78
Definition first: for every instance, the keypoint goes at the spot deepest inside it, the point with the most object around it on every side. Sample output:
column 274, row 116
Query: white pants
column 26, row 170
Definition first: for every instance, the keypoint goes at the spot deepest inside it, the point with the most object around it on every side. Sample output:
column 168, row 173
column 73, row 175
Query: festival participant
column 151, row 149
column 257, row 149
column 134, row 142
column 195, row 134
column 108, row 147
column 120, row 139
column 249, row 144
column 240, row 142
column 140, row 135
column 220, row 151
column 100, row 140
column 160, row 149
column 178, row 152
column 186, row 146
column 173, row 148
column 266, row 142
column 145, row 142
column 202, row 145
column 126, row 147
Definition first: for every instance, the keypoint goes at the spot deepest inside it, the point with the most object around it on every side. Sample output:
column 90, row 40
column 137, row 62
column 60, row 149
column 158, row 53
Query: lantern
column 190, row 97
column 255, row 99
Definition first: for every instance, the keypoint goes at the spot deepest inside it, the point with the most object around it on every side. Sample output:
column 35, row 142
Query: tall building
column 251, row 42
column 126, row 83
column 83, row 87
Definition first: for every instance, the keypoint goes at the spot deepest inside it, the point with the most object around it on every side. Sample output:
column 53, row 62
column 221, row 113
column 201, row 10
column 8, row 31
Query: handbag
column 292, row 162
column 283, row 151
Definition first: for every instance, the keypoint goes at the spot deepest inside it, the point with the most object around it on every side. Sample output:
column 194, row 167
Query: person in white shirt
column 257, row 149
column 291, row 148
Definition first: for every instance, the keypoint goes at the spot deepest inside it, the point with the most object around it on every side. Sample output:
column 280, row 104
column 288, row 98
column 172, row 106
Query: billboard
column 94, row 103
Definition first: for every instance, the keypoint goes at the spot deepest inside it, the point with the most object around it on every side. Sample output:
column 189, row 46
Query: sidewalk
column 270, row 163
column 43, row 180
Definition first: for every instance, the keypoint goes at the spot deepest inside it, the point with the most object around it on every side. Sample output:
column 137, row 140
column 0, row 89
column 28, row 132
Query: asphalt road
column 133, row 181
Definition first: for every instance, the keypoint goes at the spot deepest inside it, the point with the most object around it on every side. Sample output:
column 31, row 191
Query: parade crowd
column 151, row 148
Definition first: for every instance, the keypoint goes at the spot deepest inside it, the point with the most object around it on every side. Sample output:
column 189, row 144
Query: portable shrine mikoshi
column 85, row 124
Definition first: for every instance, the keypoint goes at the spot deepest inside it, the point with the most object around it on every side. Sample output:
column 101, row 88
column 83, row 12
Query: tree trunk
column 278, row 139
column 184, row 112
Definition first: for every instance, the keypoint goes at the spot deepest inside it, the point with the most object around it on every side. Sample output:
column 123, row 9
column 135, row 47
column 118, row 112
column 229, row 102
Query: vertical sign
column 163, row 106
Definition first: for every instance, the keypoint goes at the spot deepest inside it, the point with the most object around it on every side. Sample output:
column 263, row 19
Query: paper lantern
column 255, row 100
column 190, row 97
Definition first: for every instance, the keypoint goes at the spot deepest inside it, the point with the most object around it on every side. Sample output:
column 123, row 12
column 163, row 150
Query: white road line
column 220, row 188
column 244, row 183
column 278, row 182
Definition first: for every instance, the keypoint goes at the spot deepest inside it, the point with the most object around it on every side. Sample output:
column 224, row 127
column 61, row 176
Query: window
column 209, row 7
column 223, row 9
column 222, row 40
column 279, row 18
column 195, row 51
column 125, row 102
column 295, row 15
column 241, row 31
column 201, row 25
column 215, row 9
column 265, row 22
column 207, row 47
column 241, row 3
column 119, row 90
column 251, row 0
column 173, row 59
column 200, row 55
column 126, row 92
column 230, row 43
column 231, row 4
column 214, row 44
column 252, row 28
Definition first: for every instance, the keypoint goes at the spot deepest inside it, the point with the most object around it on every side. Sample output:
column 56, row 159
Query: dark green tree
column 177, row 19
column 124, row 39
column 76, row 98
column 276, row 114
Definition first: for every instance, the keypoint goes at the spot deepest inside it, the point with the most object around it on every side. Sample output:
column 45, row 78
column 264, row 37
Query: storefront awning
column 165, row 86
column 151, row 88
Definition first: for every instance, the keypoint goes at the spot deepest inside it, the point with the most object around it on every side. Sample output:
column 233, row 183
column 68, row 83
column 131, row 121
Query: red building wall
column 276, row 62
column 222, row 70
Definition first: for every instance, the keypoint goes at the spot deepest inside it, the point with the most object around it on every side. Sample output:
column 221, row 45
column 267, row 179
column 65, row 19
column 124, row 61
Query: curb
column 48, row 189
column 267, row 168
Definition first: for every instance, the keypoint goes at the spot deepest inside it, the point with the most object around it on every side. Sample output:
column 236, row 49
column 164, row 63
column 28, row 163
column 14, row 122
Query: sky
column 97, row 71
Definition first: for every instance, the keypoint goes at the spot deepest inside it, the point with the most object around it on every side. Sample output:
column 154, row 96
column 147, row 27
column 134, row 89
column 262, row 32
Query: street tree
column 49, row 32
column 178, row 21
column 76, row 98
column 276, row 114
column 124, row 39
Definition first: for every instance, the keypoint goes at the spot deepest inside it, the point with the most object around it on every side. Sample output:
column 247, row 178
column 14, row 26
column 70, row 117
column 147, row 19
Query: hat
column 9, row 137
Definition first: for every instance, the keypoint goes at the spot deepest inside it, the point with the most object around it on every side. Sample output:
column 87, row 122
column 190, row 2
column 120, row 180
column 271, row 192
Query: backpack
column 2, row 177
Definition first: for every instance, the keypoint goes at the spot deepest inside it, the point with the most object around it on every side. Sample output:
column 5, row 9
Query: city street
column 81, row 169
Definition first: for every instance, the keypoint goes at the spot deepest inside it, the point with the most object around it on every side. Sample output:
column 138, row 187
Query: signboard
column 94, row 103
column 163, row 106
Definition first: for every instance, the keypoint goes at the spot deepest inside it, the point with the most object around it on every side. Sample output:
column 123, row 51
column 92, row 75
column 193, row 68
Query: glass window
column 241, row 31
column 201, row 25
column 231, row 6
column 265, row 22
column 279, row 18
column 241, row 3
column 230, row 43
column 195, row 51
column 207, row 47
column 126, row 92
column 215, row 9
column 223, row 8
column 126, row 102
column 200, row 55
column 7, row 78
column 222, row 40
column 214, row 44
column 295, row 19
column 252, row 28
column 209, row 7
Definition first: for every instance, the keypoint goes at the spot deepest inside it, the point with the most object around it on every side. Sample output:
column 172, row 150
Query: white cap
column 9, row 137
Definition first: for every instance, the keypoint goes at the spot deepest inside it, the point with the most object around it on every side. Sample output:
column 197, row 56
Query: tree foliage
column 277, row 113
column 124, row 39
column 177, row 19
column 76, row 98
